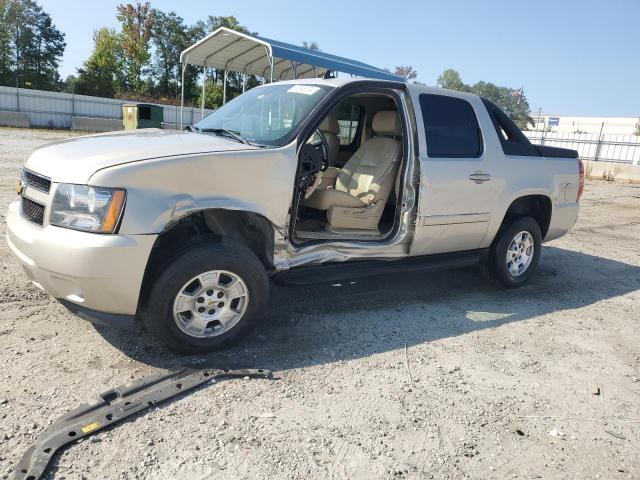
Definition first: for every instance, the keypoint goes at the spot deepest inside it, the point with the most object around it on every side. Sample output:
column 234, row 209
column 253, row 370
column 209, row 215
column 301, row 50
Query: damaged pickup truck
column 295, row 182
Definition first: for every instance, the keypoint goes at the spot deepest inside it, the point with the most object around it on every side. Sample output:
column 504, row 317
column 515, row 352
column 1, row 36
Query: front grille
column 36, row 181
column 32, row 211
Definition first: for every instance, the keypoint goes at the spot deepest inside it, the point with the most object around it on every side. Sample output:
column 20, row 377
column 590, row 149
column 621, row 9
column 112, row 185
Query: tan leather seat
column 331, row 129
column 357, row 198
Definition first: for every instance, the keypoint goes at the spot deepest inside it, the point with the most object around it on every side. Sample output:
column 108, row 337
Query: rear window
column 451, row 127
column 349, row 116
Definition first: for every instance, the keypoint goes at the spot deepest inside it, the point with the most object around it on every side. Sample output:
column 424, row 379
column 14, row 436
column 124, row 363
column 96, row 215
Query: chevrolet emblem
column 20, row 188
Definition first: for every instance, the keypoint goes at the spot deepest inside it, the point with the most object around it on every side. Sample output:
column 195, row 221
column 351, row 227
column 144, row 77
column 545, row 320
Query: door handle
column 480, row 177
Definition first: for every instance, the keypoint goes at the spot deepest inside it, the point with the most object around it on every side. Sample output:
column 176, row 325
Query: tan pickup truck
column 293, row 182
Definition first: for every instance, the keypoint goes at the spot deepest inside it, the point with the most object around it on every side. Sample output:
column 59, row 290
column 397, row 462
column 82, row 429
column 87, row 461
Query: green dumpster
column 142, row 115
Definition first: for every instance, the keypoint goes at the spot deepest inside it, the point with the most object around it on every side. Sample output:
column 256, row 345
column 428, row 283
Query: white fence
column 591, row 146
column 55, row 110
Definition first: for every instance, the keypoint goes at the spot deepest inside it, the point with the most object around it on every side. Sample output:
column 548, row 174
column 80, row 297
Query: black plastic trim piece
column 97, row 317
column 556, row 152
column 335, row 271
column 114, row 406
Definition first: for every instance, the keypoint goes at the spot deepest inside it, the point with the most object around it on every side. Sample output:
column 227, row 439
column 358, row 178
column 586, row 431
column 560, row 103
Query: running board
column 351, row 270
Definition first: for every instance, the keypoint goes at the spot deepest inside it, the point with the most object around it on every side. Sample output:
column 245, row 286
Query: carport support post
column 182, row 93
column 270, row 58
column 204, row 81
column 244, row 81
column 224, row 88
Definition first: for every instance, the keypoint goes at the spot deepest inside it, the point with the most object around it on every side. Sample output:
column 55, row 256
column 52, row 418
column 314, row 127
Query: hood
column 75, row 160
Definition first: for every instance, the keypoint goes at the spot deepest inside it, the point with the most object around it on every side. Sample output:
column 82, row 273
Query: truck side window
column 451, row 127
column 513, row 141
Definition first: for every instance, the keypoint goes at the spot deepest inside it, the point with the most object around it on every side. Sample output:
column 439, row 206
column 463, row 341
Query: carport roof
column 238, row 52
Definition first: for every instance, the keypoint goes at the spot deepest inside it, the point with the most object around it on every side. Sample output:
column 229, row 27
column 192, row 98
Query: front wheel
column 515, row 252
column 207, row 297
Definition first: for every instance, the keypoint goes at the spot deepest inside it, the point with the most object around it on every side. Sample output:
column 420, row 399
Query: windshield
column 265, row 115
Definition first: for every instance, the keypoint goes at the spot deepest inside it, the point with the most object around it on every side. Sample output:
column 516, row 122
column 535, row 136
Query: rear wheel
column 515, row 252
column 207, row 297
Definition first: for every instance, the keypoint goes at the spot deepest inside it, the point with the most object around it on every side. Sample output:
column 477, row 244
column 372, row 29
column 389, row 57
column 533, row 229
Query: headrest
column 330, row 125
column 387, row 122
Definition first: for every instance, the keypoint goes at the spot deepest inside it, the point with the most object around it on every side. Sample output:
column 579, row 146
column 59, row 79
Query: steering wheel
column 321, row 153
column 323, row 149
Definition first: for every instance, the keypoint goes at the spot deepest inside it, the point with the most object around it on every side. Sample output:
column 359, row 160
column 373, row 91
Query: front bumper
column 96, row 272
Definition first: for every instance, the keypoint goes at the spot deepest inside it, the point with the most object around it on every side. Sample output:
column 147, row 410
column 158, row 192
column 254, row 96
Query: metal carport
column 229, row 50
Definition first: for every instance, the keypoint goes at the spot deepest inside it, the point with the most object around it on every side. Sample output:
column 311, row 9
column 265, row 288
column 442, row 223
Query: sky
column 573, row 57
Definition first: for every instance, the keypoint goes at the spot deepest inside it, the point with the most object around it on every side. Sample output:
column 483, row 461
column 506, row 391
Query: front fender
column 161, row 191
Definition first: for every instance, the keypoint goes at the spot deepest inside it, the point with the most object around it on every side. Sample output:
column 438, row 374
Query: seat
column 331, row 129
column 357, row 198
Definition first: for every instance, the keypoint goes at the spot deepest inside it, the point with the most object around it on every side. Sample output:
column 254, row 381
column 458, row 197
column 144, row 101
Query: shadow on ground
column 323, row 324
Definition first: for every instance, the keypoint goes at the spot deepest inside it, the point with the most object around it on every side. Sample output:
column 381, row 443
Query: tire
column 514, row 274
column 229, row 260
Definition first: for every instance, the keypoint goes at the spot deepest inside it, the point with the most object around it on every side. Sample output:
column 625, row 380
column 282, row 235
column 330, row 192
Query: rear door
column 460, row 180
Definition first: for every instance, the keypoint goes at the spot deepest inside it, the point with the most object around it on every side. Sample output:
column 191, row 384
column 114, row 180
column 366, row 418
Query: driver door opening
column 349, row 179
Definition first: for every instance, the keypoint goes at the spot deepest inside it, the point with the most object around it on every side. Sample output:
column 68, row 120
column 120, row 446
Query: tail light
column 581, row 181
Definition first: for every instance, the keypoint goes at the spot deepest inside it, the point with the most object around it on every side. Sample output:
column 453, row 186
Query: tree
column 137, row 22
column 170, row 36
column 30, row 45
column 451, row 79
column 6, row 52
column 407, row 72
column 311, row 45
column 516, row 106
column 102, row 74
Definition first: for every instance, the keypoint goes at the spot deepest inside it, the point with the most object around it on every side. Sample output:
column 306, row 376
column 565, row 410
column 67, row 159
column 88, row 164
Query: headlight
column 92, row 209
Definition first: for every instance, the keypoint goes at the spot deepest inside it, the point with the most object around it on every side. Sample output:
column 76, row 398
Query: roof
column 239, row 52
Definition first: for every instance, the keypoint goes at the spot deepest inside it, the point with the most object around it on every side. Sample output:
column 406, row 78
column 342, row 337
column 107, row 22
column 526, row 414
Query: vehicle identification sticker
column 303, row 89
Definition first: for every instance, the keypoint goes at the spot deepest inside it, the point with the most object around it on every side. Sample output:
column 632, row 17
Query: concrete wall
column 623, row 172
column 57, row 109
column 89, row 124
column 14, row 119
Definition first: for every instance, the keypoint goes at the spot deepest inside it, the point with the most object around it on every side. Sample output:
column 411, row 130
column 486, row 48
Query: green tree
column 137, row 22
column 170, row 36
column 451, row 79
column 30, row 45
column 102, row 74
column 6, row 52
column 212, row 95
column 516, row 106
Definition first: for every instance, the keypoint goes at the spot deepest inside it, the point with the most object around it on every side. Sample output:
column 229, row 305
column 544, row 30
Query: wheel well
column 214, row 225
column 536, row 206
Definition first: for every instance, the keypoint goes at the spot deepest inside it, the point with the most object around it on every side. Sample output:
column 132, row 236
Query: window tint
column 348, row 115
column 451, row 127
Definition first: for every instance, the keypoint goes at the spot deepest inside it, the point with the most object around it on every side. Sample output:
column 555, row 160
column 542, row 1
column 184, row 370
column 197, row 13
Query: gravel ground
column 503, row 381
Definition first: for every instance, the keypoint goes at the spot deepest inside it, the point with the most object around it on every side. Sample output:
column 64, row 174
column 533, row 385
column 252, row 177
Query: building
column 604, row 125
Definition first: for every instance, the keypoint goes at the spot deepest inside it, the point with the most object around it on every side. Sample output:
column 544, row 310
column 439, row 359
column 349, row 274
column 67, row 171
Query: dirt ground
column 503, row 383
